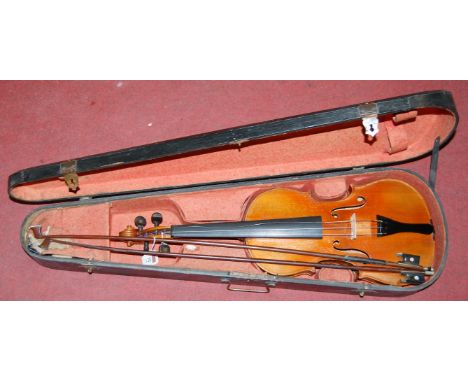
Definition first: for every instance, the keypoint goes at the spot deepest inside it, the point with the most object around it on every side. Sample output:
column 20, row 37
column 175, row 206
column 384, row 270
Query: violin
column 381, row 231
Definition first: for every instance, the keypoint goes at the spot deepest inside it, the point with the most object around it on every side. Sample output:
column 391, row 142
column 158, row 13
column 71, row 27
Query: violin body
column 358, row 210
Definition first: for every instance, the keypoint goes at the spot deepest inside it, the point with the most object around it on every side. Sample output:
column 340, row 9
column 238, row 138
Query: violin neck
column 307, row 227
column 310, row 227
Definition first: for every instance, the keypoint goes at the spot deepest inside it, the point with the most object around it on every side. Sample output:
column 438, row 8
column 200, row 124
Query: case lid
column 324, row 141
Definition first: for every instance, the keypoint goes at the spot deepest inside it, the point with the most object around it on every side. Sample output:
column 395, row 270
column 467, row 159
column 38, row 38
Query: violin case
column 210, row 176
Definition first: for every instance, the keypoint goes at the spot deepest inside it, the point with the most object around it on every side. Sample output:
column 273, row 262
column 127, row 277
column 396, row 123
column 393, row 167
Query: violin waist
column 305, row 227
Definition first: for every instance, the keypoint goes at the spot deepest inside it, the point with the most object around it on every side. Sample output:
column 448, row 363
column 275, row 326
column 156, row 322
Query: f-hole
column 360, row 199
column 336, row 243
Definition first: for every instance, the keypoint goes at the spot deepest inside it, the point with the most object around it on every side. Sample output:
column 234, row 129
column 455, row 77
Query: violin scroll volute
column 129, row 232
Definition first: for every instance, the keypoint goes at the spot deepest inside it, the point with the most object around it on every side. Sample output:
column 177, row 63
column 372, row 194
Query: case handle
column 237, row 289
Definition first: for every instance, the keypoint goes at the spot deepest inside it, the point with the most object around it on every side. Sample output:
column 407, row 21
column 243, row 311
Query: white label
column 149, row 260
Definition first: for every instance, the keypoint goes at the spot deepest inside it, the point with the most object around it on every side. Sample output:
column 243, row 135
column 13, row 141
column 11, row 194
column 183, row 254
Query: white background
column 215, row 341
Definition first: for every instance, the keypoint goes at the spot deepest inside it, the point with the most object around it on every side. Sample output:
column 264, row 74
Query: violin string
column 349, row 221
column 338, row 228
column 346, row 234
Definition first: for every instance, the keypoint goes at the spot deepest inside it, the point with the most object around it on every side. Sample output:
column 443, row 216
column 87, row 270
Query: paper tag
column 149, row 260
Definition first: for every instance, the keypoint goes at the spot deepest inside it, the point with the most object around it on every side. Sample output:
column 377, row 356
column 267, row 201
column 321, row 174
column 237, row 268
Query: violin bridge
column 358, row 228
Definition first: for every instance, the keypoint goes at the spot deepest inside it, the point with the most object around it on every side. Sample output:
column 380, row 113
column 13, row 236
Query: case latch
column 369, row 113
column 68, row 171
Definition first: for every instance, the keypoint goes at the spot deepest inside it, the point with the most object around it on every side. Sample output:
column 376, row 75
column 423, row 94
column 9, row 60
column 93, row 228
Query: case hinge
column 369, row 113
column 68, row 171
column 434, row 162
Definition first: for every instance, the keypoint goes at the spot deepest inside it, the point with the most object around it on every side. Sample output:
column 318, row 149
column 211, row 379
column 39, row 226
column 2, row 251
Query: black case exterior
column 234, row 137
column 188, row 145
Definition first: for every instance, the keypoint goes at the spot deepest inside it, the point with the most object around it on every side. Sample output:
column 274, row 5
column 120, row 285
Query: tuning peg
column 156, row 219
column 140, row 222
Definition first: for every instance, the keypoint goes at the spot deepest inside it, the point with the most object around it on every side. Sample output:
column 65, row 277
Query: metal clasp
column 369, row 113
column 68, row 170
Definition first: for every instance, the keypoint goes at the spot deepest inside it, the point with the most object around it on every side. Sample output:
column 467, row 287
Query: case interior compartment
column 108, row 218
